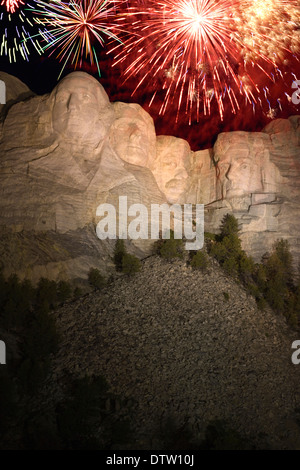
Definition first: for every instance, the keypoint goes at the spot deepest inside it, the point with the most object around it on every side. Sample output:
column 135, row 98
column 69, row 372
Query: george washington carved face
column 81, row 109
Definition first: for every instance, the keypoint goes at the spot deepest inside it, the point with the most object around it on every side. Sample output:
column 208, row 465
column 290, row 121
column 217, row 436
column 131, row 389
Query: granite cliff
column 64, row 154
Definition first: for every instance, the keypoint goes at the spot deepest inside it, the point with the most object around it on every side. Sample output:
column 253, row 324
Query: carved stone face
column 241, row 176
column 78, row 102
column 240, row 169
column 170, row 166
column 133, row 134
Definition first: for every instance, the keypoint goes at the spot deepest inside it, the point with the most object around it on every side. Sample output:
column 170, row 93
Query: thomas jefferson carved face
column 133, row 135
column 80, row 108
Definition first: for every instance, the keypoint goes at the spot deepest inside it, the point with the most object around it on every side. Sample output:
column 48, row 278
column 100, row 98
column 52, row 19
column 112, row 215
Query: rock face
column 14, row 91
column 169, row 341
column 182, row 175
column 170, row 167
column 64, row 154
column 258, row 180
column 132, row 134
column 58, row 166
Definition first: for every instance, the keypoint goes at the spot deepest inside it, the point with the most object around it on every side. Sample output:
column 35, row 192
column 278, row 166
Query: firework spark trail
column 269, row 28
column 20, row 35
column 202, row 50
column 194, row 36
column 73, row 28
column 12, row 5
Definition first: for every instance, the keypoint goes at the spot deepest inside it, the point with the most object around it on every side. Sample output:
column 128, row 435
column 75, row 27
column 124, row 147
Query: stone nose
column 136, row 137
column 181, row 173
column 234, row 174
column 73, row 102
column 225, row 170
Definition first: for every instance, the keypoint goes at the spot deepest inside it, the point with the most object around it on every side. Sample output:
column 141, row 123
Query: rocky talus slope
column 168, row 339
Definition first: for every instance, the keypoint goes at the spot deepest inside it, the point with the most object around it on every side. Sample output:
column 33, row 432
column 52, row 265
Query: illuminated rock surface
column 64, row 154
column 15, row 90
column 259, row 182
column 57, row 167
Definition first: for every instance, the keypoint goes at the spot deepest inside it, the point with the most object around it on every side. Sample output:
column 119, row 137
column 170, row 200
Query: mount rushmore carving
column 63, row 154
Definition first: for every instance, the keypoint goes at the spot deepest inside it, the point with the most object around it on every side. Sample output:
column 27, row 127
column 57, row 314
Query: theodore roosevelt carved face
column 170, row 166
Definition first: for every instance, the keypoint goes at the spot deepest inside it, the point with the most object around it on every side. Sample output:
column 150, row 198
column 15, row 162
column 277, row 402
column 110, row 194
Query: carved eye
column 61, row 97
column 121, row 126
column 223, row 167
column 170, row 164
column 245, row 166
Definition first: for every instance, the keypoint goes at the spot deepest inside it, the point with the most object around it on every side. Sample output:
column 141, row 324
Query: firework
column 268, row 29
column 19, row 34
column 12, row 5
column 75, row 27
column 202, row 52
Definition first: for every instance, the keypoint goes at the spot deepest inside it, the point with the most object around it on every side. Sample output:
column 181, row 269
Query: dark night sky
column 41, row 73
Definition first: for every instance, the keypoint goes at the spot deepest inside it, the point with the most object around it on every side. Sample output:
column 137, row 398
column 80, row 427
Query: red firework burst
column 12, row 5
column 199, row 51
